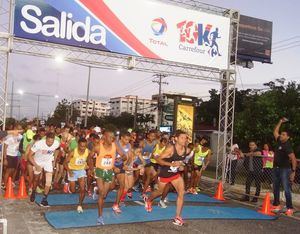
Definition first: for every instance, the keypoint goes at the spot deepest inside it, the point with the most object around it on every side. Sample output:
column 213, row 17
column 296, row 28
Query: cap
column 97, row 129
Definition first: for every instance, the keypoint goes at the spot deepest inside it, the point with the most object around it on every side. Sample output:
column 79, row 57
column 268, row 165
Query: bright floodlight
column 120, row 69
column 56, row 96
column 59, row 59
column 6, row 104
column 21, row 92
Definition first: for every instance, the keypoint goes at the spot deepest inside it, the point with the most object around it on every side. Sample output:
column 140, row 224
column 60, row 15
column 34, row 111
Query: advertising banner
column 185, row 119
column 255, row 39
column 143, row 28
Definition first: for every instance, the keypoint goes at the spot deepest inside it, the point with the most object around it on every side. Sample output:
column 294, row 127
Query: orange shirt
column 106, row 158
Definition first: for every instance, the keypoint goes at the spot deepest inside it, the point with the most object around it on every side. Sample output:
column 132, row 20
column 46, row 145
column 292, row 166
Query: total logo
column 159, row 28
column 35, row 22
column 192, row 33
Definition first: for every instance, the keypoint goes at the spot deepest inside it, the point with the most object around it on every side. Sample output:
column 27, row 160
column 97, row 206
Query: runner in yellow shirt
column 76, row 166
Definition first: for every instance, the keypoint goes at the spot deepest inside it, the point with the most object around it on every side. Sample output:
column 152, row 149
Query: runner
column 123, row 149
column 148, row 146
column 106, row 152
column 10, row 154
column 76, row 164
column 202, row 157
column 171, row 161
column 41, row 156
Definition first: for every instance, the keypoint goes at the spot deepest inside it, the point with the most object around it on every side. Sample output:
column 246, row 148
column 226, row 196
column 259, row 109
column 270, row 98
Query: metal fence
column 253, row 176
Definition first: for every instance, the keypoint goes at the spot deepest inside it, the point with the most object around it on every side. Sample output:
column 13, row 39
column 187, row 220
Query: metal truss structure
column 10, row 44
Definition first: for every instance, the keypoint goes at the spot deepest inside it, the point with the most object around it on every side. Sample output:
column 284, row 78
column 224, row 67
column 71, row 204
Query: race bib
column 79, row 162
column 106, row 161
column 174, row 169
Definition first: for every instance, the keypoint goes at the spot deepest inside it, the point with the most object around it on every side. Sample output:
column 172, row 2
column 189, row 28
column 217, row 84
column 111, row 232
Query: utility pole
column 135, row 112
column 159, row 101
column 87, row 97
column 12, row 99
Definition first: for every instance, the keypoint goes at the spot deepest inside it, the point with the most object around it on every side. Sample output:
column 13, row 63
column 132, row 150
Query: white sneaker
column 166, row 200
column 79, row 209
column 162, row 204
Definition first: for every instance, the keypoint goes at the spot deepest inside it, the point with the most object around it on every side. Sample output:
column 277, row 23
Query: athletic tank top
column 268, row 158
column 200, row 156
column 119, row 163
column 166, row 171
column 148, row 149
column 106, row 158
column 78, row 162
column 157, row 151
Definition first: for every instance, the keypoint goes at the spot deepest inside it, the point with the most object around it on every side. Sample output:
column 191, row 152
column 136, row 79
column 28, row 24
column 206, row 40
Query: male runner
column 106, row 152
column 171, row 161
column 41, row 156
column 76, row 165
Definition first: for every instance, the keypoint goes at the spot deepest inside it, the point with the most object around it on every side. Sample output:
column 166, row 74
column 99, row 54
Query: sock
column 123, row 196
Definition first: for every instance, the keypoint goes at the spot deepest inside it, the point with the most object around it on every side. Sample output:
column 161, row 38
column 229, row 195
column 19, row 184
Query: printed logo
column 194, row 35
column 159, row 26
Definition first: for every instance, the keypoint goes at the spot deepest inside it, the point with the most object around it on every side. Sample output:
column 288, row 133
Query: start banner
column 144, row 28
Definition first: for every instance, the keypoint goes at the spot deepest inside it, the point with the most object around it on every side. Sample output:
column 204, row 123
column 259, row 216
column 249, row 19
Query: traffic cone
column 219, row 194
column 9, row 192
column 22, row 194
column 266, row 207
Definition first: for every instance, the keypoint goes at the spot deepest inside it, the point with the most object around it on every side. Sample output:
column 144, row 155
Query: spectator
column 253, row 165
column 234, row 155
column 268, row 158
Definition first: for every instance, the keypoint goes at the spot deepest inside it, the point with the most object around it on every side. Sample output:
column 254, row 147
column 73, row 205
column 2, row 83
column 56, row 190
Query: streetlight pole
column 87, row 97
column 12, row 99
column 38, row 110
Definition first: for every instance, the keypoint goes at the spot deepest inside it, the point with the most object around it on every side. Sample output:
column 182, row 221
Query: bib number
column 79, row 162
column 174, row 169
column 106, row 162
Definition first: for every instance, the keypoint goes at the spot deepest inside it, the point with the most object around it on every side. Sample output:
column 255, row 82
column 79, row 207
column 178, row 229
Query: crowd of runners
column 95, row 162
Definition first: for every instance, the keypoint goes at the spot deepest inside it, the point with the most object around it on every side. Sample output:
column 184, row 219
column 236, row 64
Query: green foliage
column 258, row 111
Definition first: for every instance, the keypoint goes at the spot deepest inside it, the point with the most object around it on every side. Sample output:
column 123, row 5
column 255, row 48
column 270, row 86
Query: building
column 95, row 107
column 128, row 104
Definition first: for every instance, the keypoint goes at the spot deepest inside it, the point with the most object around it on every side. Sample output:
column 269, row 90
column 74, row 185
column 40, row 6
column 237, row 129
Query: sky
column 45, row 76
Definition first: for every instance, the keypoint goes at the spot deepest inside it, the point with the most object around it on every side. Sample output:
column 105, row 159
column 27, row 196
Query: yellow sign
column 185, row 119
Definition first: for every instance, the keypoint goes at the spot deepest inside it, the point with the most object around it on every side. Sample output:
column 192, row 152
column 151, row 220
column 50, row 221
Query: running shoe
column 90, row 194
column 29, row 191
column 116, row 209
column 198, row 190
column 32, row 196
column 289, row 212
column 166, row 200
column 129, row 195
column 148, row 206
column 145, row 197
column 189, row 190
column 100, row 220
column 39, row 190
column 275, row 208
column 148, row 190
column 79, row 209
column 136, row 188
column 194, row 192
column 44, row 203
column 162, row 204
column 178, row 221
column 66, row 188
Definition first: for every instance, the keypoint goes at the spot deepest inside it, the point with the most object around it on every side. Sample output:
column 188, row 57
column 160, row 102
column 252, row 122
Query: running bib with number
column 106, row 161
column 79, row 162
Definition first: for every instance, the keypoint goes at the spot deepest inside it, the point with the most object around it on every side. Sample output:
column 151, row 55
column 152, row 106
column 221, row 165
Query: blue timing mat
column 137, row 214
column 72, row 199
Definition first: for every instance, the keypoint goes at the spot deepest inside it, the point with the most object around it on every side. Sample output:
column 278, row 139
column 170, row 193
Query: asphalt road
column 25, row 217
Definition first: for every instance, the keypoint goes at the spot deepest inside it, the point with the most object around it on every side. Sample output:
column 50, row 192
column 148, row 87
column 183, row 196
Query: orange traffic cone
column 22, row 189
column 266, row 207
column 219, row 194
column 9, row 192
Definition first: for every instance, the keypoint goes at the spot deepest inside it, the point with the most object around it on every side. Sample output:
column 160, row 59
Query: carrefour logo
column 159, row 26
column 192, row 33
column 64, row 27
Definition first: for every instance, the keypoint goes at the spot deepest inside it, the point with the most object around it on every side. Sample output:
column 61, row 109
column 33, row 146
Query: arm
column 68, row 159
column 121, row 153
column 276, row 129
column 208, row 158
column 294, row 166
column 32, row 161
